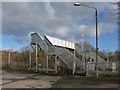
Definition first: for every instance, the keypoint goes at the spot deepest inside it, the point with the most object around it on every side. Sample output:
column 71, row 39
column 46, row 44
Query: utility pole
column 83, row 53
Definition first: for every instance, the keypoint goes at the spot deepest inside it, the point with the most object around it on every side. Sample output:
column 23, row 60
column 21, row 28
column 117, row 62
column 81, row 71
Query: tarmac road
column 29, row 80
column 82, row 82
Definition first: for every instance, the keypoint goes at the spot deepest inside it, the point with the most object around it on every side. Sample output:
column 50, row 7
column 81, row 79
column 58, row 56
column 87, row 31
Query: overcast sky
column 59, row 19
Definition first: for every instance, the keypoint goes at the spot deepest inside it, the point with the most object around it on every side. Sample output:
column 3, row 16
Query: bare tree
column 115, row 11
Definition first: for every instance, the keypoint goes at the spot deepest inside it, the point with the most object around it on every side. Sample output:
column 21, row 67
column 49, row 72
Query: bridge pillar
column 55, row 64
column 74, row 68
column 74, row 64
column 47, row 64
column 36, row 58
column 30, row 61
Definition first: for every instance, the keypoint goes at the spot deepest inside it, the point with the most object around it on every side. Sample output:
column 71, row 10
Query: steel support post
column 74, row 64
column 30, row 61
column 36, row 59
column 47, row 63
column 55, row 64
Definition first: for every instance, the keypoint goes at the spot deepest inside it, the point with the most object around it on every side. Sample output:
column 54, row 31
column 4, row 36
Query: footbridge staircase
column 67, row 57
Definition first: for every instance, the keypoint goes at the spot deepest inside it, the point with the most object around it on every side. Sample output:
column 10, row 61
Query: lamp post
column 78, row 4
column 82, row 41
column 83, row 50
column 107, row 54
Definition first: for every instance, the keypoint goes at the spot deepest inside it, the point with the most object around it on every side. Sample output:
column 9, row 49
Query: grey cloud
column 60, row 19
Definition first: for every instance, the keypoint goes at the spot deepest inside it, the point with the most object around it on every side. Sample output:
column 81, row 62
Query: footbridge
column 71, row 54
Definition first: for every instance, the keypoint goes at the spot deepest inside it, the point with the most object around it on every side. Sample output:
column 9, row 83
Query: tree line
column 20, row 59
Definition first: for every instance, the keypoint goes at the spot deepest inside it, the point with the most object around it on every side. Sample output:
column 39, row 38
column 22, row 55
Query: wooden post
column 8, row 58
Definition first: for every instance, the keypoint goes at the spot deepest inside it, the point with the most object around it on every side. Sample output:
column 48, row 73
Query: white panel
column 73, row 45
column 70, row 44
column 59, row 42
column 55, row 41
column 66, row 43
